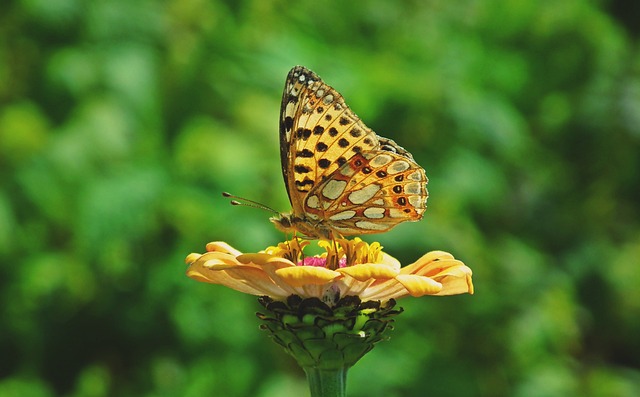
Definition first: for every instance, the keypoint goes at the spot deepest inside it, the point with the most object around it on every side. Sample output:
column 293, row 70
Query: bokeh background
column 121, row 122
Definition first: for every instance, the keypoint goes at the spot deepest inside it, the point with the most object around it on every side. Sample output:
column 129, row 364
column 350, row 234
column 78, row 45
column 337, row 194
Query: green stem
column 327, row 382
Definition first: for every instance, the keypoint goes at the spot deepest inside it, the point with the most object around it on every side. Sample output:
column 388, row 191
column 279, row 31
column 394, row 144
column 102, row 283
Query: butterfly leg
column 299, row 245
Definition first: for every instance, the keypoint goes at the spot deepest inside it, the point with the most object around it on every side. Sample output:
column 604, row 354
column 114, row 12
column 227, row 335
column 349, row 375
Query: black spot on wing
column 288, row 123
column 305, row 183
column 301, row 169
column 306, row 153
column 303, row 133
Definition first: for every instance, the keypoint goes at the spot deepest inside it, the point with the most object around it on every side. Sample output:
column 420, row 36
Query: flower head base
column 347, row 267
column 323, row 337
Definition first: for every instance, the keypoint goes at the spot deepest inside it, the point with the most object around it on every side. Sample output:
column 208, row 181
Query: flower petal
column 419, row 285
column 299, row 276
column 454, row 284
column 369, row 271
column 435, row 255
column 221, row 246
column 391, row 262
column 224, row 269
column 192, row 257
column 433, row 268
column 440, row 266
column 262, row 259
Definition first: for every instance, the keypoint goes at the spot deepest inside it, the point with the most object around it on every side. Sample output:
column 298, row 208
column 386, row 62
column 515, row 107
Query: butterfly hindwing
column 371, row 193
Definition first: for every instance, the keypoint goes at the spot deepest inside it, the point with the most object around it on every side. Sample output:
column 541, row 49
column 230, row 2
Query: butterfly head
column 290, row 223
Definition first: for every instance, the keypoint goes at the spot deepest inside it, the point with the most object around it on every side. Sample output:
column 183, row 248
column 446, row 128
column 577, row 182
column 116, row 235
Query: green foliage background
column 122, row 121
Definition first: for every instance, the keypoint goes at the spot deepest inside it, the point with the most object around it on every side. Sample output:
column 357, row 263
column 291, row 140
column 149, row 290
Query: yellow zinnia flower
column 328, row 310
column 347, row 268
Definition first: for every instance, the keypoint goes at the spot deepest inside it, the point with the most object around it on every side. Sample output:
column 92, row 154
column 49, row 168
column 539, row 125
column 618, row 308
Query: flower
column 328, row 310
column 346, row 268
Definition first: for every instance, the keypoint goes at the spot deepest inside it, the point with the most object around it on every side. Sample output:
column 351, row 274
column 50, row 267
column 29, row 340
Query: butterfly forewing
column 319, row 133
column 340, row 176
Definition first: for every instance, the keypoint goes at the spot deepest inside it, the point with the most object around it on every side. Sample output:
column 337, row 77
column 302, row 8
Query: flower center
column 339, row 253
column 319, row 261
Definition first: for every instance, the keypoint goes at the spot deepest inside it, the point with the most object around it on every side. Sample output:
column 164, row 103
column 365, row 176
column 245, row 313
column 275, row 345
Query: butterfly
column 341, row 177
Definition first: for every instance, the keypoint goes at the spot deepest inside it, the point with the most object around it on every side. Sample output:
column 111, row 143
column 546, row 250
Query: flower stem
column 327, row 382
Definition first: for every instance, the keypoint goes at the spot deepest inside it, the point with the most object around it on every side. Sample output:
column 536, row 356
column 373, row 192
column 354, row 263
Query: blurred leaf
column 16, row 387
column 122, row 122
column 23, row 133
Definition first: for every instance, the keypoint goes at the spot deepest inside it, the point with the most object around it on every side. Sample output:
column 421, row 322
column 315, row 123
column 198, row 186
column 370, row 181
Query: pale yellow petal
column 299, row 276
column 456, row 270
column 216, row 264
column 391, row 262
column 431, row 268
column 216, row 258
column 384, row 290
column 244, row 279
column 262, row 259
column 192, row 257
column 224, row 269
column 369, row 271
column 426, row 259
column 454, row 285
column 419, row 285
column 221, row 246
column 452, row 274
column 434, row 255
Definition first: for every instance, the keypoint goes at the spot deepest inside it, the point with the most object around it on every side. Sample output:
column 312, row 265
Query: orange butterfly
column 342, row 178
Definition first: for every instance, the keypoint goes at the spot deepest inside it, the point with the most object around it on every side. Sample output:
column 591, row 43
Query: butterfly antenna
column 248, row 203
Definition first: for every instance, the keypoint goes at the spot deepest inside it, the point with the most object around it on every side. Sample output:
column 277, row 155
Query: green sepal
column 327, row 337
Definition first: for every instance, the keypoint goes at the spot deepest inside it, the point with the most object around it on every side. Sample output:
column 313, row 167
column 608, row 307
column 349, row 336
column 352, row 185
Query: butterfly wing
column 318, row 134
column 373, row 192
column 340, row 175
